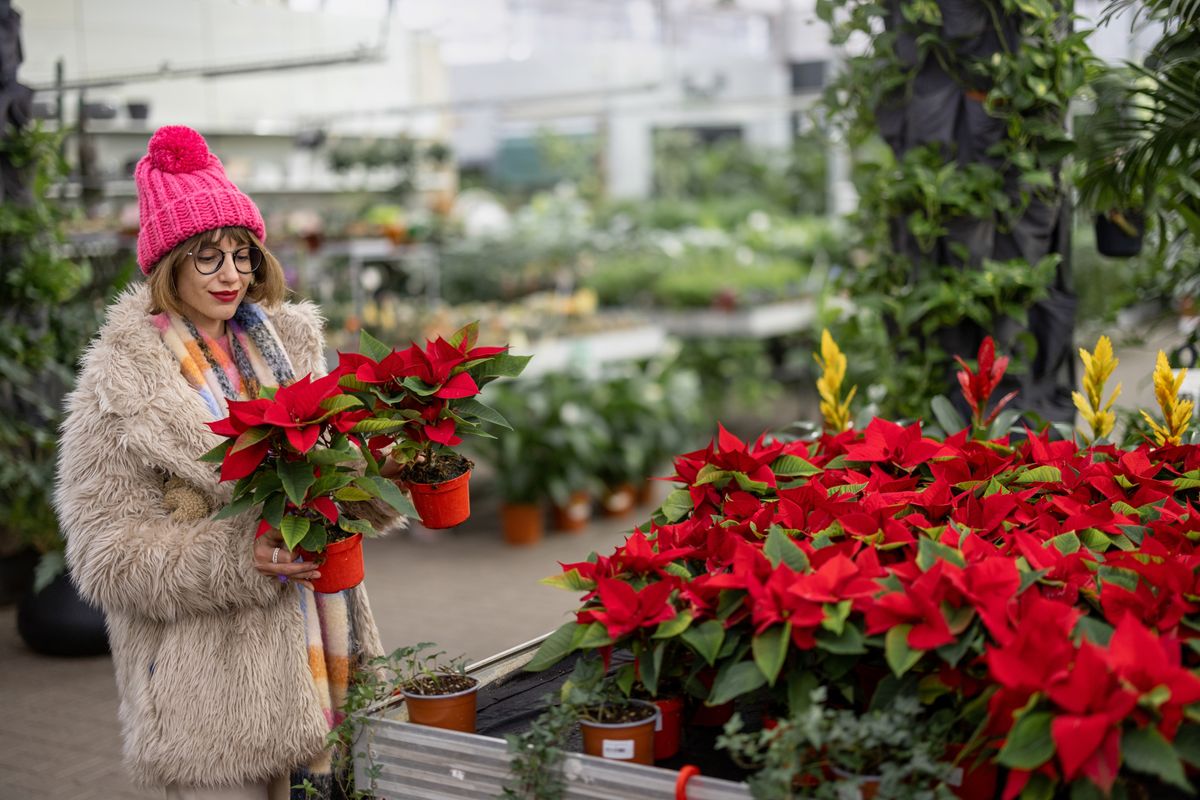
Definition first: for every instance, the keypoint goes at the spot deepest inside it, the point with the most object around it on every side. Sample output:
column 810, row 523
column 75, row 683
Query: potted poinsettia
column 1038, row 595
column 421, row 399
column 294, row 457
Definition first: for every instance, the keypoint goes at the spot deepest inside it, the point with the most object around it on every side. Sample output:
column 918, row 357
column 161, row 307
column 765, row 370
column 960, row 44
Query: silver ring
column 275, row 556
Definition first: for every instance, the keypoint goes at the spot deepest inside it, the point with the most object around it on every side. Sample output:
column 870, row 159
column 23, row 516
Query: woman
column 230, row 671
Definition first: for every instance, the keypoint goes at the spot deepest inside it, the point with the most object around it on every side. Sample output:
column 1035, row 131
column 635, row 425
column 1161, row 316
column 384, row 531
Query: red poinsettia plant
column 307, row 454
column 1046, row 595
column 294, row 455
column 424, row 398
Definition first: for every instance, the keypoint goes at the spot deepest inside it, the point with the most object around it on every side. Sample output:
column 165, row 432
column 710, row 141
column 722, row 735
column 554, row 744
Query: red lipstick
column 225, row 297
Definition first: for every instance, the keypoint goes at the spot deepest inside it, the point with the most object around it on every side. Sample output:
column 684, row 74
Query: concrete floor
column 464, row 589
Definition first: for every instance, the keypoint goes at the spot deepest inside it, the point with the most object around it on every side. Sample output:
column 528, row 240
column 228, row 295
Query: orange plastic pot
column 343, row 565
column 622, row 741
column 619, row 500
column 453, row 712
column 521, row 523
column 668, row 727
column 443, row 505
column 575, row 514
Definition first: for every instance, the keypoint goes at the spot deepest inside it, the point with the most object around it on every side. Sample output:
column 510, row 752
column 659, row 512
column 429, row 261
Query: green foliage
column 1139, row 149
column 685, row 168
column 45, row 321
column 900, row 745
column 929, row 197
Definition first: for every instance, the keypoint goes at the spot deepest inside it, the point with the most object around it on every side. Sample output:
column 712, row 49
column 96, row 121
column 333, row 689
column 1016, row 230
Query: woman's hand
column 272, row 558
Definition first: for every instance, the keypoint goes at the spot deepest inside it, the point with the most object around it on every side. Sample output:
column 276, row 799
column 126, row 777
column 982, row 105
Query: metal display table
column 415, row 761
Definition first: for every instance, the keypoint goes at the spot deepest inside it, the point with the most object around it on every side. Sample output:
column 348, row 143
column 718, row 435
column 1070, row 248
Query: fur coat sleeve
column 132, row 422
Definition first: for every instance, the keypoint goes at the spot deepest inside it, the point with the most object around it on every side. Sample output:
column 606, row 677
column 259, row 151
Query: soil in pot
column 439, row 469
column 440, row 489
column 442, row 701
column 620, row 733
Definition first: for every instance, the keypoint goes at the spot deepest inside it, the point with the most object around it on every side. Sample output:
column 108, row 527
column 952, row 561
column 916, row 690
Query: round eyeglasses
column 208, row 260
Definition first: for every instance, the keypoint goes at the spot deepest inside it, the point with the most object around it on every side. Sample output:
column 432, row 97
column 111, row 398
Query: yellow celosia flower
column 834, row 409
column 1176, row 413
column 1098, row 367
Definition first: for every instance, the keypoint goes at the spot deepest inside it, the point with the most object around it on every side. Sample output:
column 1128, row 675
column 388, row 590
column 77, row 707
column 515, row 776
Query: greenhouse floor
column 464, row 589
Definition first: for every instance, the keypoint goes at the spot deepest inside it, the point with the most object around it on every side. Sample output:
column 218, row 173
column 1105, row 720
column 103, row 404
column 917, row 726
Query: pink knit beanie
column 182, row 190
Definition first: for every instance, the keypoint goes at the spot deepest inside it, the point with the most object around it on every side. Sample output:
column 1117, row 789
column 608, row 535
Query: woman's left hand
column 273, row 558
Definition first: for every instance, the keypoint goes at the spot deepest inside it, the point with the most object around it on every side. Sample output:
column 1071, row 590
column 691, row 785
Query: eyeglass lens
column 245, row 259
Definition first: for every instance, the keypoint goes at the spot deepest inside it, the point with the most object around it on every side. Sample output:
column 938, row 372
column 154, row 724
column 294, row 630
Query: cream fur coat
column 210, row 656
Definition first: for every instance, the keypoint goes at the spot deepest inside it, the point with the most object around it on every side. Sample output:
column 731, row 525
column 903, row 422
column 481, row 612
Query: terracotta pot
column 454, row 712
column 342, row 567
column 619, row 500
column 443, row 505
column 972, row 781
column 645, row 492
column 668, row 727
column 522, row 523
column 575, row 514
column 622, row 741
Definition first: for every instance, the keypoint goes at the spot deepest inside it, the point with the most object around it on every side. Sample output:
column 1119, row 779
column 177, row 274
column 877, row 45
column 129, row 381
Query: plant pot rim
column 460, row 693
column 426, row 487
column 631, row 724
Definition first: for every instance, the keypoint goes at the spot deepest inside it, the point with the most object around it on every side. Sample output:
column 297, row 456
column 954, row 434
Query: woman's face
column 210, row 300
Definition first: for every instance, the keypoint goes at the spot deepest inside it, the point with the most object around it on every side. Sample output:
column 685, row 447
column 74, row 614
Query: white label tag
column 658, row 722
column 955, row 777
column 618, row 748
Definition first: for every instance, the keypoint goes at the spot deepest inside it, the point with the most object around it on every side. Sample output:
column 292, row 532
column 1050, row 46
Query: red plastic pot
column 668, row 727
column 970, row 781
column 706, row 716
column 443, row 505
column 343, row 565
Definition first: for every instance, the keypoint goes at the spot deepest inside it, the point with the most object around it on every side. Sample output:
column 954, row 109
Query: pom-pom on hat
column 182, row 190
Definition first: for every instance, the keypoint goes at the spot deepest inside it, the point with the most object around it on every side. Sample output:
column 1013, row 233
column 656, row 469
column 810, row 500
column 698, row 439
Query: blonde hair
column 267, row 285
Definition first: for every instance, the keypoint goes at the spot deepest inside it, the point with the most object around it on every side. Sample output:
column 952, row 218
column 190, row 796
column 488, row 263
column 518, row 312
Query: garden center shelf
column 762, row 322
column 415, row 761
column 589, row 353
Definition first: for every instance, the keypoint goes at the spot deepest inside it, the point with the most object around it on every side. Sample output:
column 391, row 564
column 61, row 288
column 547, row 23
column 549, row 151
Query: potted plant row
column 1027, row 601
column 316, row 457
column 577, row 439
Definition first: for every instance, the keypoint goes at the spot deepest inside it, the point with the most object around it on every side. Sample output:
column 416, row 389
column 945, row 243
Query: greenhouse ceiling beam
column 362, row 54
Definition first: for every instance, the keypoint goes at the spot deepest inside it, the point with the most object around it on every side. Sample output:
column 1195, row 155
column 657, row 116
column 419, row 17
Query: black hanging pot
column 1119, row 233
column 57, row 622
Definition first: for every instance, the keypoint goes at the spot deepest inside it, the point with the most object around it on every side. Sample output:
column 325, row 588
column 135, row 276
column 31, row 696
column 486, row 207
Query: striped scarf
column 258, row 359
